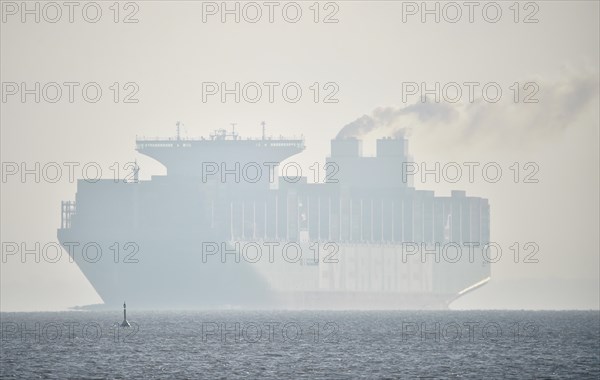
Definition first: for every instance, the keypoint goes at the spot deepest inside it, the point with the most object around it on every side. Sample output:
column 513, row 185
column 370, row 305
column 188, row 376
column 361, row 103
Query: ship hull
column 197, row 273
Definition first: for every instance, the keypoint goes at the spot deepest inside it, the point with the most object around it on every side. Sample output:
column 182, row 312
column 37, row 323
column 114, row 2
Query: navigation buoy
column 125, row 323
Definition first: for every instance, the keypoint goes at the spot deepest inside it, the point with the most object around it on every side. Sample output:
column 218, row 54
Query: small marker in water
column 125, row 323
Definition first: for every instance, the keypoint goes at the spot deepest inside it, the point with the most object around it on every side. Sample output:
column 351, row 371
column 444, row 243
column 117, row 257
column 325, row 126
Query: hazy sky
column 369, row 54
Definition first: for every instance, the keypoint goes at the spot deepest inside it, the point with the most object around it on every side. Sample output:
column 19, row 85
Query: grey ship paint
column 223, row 228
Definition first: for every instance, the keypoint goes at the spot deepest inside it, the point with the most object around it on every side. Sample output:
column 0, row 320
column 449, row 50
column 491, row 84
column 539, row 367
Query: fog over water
column 372, row 81
column 328, row 189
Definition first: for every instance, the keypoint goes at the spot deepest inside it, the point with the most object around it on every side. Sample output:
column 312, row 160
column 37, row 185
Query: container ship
column 235, row 223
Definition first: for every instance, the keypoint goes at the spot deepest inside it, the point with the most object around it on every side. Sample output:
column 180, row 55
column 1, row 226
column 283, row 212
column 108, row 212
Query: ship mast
column 136, row 171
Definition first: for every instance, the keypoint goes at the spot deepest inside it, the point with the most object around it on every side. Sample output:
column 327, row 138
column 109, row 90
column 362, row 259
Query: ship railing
column 170, row 142
column 68, row 209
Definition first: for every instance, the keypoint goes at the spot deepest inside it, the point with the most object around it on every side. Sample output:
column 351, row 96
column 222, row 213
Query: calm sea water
column 235, row 344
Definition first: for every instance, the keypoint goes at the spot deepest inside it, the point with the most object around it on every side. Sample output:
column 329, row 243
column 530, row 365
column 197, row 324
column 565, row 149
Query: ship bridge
column 188, row 157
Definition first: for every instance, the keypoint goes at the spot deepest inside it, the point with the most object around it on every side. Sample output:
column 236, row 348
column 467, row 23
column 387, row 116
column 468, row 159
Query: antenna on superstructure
column 233, row 136
column 178, row 130
column 263, row 130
